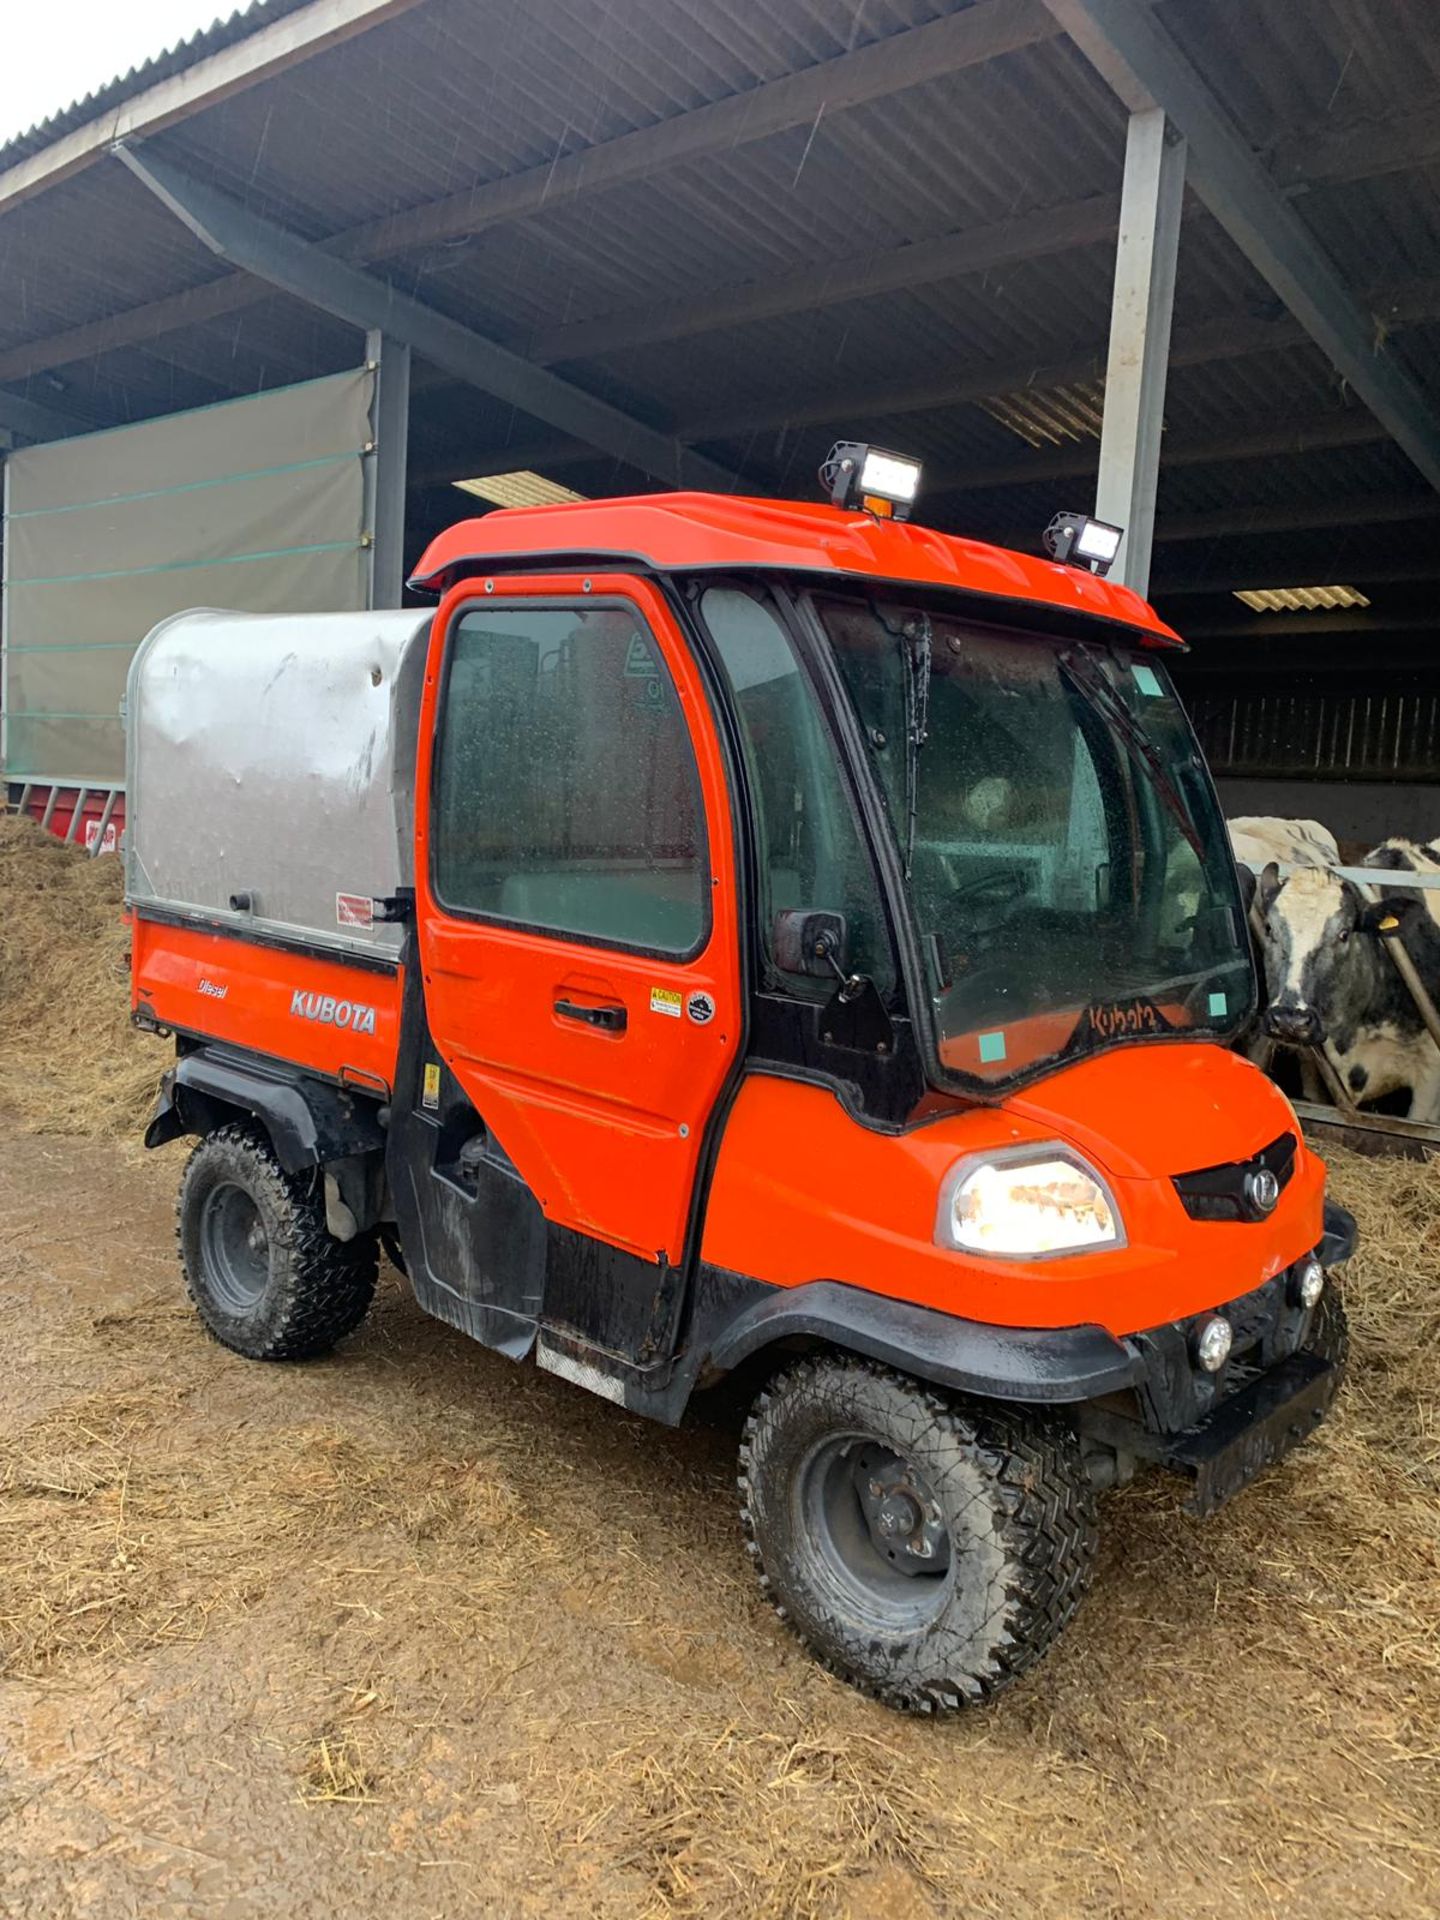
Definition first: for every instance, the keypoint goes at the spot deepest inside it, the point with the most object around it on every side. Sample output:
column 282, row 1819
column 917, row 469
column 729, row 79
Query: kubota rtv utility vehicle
column 739, row 938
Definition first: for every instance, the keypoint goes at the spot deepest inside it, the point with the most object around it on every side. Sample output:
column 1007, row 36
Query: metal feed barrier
column 1355, row 1126
column 1368, row 1132
column 55, row 792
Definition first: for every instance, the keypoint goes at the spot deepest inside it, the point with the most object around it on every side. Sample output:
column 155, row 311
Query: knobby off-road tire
column 266, row 1276
column 1007, row 1518
column 1328, row 1334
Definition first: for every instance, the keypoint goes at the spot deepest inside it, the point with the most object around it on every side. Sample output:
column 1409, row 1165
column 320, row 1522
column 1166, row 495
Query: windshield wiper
column 1079, row 667
column 916, row 652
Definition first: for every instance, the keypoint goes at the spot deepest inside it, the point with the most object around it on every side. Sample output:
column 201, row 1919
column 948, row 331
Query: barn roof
column 758, row 226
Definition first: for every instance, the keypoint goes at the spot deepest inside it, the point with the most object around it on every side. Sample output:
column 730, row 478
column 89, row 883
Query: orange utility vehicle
column 761, row 940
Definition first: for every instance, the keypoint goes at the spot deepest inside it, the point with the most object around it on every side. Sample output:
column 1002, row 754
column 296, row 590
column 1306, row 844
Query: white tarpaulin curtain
column 256, row 505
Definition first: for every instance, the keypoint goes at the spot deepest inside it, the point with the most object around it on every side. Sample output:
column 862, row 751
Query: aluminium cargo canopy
column 272, row 756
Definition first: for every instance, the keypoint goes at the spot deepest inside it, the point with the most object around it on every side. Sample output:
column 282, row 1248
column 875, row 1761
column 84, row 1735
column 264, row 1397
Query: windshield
column 1065, row 861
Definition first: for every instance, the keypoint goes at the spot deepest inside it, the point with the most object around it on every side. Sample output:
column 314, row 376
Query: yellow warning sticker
column 430, row 1097
column 666, row 1000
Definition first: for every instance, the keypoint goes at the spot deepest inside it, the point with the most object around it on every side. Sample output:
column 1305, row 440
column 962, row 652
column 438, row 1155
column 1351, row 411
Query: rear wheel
column 925, row 1551
column 266, row 1276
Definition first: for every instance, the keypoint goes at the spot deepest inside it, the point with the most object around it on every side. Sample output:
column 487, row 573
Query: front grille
column 1218, row 1193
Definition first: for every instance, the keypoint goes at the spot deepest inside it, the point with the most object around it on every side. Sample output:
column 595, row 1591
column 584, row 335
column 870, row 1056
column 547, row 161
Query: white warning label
column 354, row 910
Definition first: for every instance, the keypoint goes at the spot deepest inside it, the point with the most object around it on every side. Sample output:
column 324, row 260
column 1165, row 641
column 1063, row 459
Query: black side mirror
column 811, row 943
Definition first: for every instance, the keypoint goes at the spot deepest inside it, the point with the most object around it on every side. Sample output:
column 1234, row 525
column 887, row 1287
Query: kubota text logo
column 331, row 1012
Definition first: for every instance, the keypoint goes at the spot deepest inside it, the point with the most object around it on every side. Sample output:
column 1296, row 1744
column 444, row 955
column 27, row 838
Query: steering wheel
column 996, row 889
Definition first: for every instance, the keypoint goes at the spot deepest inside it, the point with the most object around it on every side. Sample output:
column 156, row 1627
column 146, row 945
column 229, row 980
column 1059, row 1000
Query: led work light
column 1079, row 541
column 860, row 476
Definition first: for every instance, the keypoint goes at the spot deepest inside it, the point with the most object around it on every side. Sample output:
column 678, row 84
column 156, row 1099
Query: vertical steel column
column 5, row 611
column 1140, row 315
column 385, row 466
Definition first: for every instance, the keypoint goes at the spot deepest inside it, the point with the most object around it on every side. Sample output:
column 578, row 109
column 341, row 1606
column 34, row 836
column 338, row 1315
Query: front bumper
column 1222, row 1429
column 1253, row 1429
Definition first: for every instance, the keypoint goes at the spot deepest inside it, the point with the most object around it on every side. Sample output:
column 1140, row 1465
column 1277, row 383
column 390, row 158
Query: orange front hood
column 1161, row 1108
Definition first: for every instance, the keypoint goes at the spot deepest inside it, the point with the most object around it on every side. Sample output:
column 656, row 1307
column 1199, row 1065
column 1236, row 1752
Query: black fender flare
column 1341, row 1235
column 1037, row 1365
column 310, row 1121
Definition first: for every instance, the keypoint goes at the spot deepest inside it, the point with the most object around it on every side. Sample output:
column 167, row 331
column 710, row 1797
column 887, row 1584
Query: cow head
column 1321, row 948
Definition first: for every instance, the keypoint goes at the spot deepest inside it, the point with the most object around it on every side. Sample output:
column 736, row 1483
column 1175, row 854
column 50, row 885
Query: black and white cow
column 1411, row 856
column 1256, row 839
column 1330, row 979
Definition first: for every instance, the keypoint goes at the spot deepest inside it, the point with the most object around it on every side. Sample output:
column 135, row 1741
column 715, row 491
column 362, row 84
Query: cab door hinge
column 397, row 906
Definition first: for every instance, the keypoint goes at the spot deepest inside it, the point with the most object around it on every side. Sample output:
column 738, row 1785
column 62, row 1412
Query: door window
column 567, row 795
column 811, row 854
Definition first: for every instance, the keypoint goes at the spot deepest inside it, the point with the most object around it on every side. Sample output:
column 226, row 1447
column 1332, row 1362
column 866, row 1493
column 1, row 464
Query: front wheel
column 267, row 1277
column 1328, row 1334
column 925, row 1551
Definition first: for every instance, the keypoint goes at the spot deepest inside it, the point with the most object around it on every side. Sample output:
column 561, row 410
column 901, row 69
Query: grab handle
column 608, row 1019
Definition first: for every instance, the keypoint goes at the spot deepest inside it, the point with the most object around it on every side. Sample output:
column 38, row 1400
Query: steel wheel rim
column 235, row 1247
column 872, row 1532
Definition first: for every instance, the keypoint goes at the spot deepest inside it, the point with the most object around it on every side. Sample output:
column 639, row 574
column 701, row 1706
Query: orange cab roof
column 685, row 532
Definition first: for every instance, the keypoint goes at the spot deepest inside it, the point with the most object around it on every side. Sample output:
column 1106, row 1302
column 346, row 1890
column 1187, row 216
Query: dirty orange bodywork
column 676, row 531
column 802, row 1191
column 345, row 1023
column 608, row 1130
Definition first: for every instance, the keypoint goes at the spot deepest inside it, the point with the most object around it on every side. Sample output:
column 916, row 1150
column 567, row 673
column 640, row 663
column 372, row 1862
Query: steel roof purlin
column 749, row 227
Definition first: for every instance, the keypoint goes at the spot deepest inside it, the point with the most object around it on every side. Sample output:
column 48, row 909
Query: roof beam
column 1354, row 153
column 1077, row 462
column 1364, row 510
column 1240, row 522
column 136, row 327
column 1356, row 573
column 1291, row 437
column 1266, row 626
column 272, row 254
column 259, row 56
column 949, row 45
column 1364, row 150
column 1138, row 58
column 946, row 45
column 1081, row 461
column 920, row 263
column 34, row 421
column 1398, row 305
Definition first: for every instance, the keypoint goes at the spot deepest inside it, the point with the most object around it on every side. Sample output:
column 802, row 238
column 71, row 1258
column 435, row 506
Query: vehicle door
column 576, row 896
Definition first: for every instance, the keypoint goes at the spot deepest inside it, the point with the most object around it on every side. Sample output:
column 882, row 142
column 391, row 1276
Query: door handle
column 608, row 1019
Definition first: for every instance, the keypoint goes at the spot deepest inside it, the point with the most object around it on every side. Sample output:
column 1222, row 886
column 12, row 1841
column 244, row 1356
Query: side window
column 812, row 854
column 567, row 795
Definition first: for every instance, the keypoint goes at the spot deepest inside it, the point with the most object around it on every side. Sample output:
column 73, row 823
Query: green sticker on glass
column 992, row 1048
column 639, row 664
column 1147, row 679
column 1219, row 1006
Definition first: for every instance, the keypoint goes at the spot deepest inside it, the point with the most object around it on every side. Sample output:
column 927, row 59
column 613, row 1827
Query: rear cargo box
column 271, row 759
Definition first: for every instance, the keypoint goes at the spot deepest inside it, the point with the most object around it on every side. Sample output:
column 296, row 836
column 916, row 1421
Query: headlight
column 1027, row 1203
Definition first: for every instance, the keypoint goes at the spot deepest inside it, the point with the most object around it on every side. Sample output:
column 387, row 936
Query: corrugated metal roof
column 212, row 39
column 455, row 94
